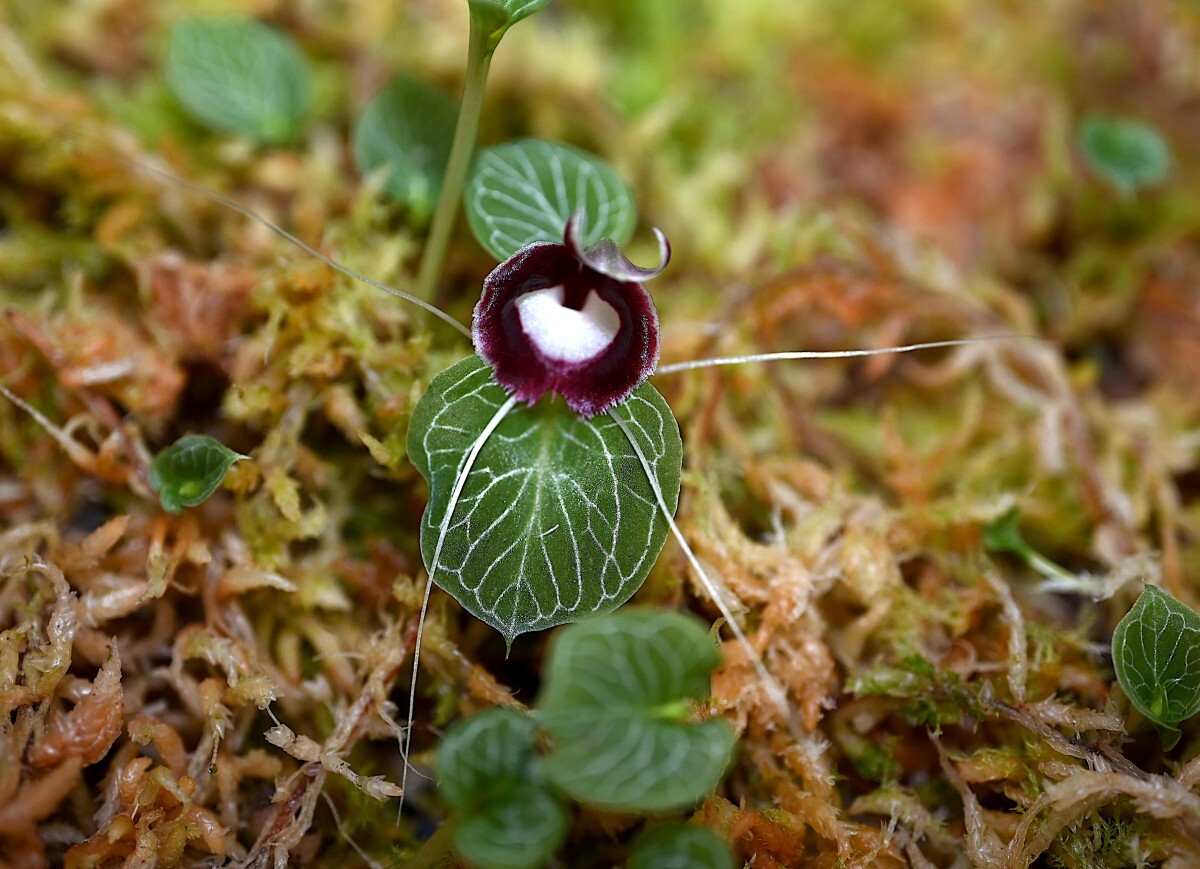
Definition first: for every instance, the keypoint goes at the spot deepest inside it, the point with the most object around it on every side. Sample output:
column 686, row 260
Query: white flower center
column 562, row 333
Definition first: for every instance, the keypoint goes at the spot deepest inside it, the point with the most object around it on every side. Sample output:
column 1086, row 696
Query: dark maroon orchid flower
column 576, row 322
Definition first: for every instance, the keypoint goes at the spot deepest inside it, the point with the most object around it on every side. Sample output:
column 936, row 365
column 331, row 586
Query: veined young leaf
column 518, row 829
column 525, row 191
column 486, row 752
column 407, row 127
column 188, row 471
column 556, row 521
column 1156, row 653
column 617, row 697
column 237, row 75
column 494, row 17
column 674, row 845
column 1127, row 153
column 489, row 772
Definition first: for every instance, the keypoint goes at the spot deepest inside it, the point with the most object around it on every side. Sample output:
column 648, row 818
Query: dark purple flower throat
column 572, row 321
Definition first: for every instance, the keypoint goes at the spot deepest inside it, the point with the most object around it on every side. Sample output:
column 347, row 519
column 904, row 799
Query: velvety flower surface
column 576, row 322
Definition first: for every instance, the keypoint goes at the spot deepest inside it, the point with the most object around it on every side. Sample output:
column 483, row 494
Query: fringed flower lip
column 570, row 320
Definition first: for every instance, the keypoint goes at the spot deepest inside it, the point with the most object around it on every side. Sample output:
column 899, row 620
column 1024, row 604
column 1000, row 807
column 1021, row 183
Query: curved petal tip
column 606, row 258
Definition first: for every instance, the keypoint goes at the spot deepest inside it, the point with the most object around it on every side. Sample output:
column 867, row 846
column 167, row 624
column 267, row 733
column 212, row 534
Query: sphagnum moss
column 841, row 505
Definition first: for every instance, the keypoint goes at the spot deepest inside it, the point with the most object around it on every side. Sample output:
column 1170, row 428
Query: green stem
column 1045, row 566
column 672, row 710
column 479, row 58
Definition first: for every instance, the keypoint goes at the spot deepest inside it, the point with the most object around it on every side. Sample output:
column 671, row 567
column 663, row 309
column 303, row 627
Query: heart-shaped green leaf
column 517, row 830
column 522, row 192
column 1127, row 153
column 484, row 753
column 488, row 771
column 407, row 127
column 556, row 521
column 1156, row 653
column 674, row 845
column 617, row 697
column 492, row 18
column 188, row 471
column 237, row 75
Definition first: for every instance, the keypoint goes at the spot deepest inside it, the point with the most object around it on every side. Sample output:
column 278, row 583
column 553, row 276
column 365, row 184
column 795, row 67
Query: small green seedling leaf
column 674, row 845
column 617, row 698
column 489, row 773
column 517, row 830
column 1004, row 535
column 492, row 18
column 407, row 128
column 238, row 75
column 491, row 750
column 556, row 521
column 1156, row 653
column 523, row 192
column 188, row 471
column 1127, row 153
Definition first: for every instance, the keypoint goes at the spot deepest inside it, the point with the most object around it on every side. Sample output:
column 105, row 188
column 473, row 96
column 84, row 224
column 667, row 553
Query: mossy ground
column 831, row 176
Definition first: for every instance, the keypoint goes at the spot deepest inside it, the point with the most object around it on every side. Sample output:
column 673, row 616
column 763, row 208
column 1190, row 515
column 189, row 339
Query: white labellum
column 564, row 334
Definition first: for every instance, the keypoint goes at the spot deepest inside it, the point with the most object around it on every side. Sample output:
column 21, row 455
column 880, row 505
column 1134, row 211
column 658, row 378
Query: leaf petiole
column 1004, row 535
column 675, row 710
column 1046, row 567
